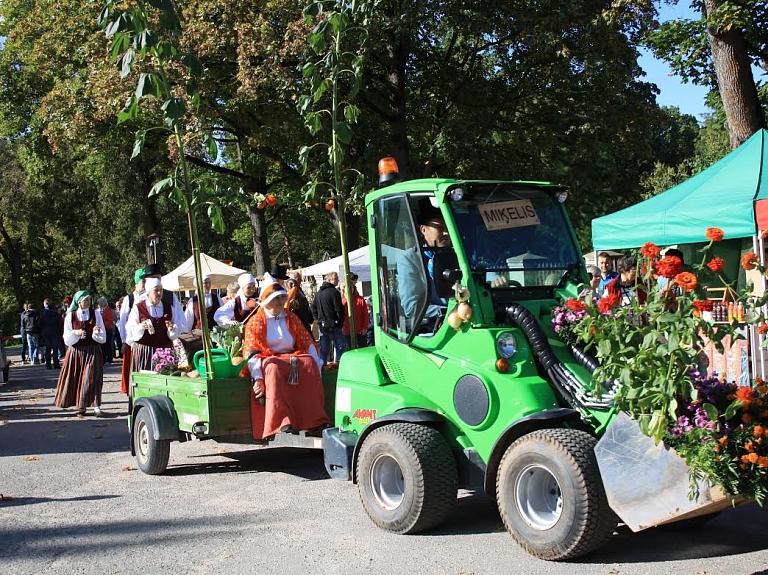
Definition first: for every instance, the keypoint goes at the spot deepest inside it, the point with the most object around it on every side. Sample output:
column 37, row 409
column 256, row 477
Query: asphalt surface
column 73, row 502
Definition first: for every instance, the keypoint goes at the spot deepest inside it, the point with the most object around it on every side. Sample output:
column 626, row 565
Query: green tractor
column 467, row 383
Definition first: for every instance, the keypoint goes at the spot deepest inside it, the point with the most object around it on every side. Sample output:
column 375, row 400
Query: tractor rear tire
column 551, row 496
column 151, row 454
column 407, row 478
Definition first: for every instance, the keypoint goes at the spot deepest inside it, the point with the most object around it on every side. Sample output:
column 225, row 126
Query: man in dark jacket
column 51, row 330
column 329, row 313
column 23, row 332
column 31, row 321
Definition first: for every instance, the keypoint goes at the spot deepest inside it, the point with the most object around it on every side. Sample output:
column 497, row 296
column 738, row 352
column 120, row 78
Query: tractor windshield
column 515, row 233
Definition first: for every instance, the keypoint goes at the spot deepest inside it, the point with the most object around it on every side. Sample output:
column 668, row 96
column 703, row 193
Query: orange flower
column 575, row 305
column 723, row 440
column 271, row 200
column 687, row 281
column 749, row 447
column 668, row 266
column 716, row 265
column 758, row 430
column 753, row 457
column 745, row 394
column 762, row 328
column 762, row 461
column 715, row 234
column 764, row 234
column 749, row 260
column 746, row 418
column 650, row 250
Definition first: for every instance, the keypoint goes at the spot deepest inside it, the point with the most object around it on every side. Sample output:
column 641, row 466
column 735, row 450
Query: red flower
column 687, row 281
column 705, row 305
column 606, row 304
column 271, row 200
column 716, row 265
column 575, row 305
column 668, row 266
column 763, row 328
column 749, row 260
column 650, row 250
column 715, row 234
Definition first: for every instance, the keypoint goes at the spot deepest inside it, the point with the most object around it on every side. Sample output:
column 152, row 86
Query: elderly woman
column 284, row 367
column 152, row 324
column 81, row 381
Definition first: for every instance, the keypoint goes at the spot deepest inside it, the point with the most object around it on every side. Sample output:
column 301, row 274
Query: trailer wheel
column 407, row 477
column 551, row 497
column 151, row 454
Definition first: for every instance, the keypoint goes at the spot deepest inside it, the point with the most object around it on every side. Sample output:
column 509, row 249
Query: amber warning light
column 388, row 172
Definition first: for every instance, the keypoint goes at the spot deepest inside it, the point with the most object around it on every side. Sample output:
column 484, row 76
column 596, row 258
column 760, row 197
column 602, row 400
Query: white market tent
column 359, row 263
column 183, row 277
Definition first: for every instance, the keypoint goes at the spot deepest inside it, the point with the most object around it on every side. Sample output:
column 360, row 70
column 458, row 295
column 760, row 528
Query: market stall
column 183, row 277
column 732, row 195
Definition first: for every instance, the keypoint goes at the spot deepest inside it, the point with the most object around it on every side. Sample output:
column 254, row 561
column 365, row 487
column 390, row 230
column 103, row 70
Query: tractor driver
column 410, row 271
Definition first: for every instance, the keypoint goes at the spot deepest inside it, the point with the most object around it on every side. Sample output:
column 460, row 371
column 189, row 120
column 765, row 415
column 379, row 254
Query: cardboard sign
column 505, row 215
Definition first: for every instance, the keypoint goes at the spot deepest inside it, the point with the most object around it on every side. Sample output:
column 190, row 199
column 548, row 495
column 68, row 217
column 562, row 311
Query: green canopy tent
column 732, row 194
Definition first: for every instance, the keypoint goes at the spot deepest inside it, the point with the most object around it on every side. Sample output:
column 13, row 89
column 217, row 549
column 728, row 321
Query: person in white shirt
column 153, row 323
column 212, row 303
column 81, row 380
column 240, row 307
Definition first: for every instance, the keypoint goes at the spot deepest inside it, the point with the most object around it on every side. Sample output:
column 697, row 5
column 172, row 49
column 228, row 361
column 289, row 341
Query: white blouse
column 71, row 336
column 279, row 340
column 134, row 329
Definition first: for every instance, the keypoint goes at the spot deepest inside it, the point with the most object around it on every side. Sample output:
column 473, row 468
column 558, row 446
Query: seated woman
column 284, row 367
column 151, row 325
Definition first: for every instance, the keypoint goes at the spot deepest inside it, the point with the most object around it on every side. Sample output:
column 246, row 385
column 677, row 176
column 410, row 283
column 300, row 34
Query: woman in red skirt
column 82, row 377
column 285, row 369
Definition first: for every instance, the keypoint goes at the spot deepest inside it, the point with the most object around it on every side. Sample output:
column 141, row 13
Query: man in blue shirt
column 606, row 272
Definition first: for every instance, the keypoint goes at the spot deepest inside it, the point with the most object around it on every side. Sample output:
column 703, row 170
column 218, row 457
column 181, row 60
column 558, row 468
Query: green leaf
column 351, row 113
column 161, row 186
column 308, row 70
column 217, row 219
column 129, row 111
column 321, row 89
column 313, row 9
column 305, row 104
column 712, row 413
column 146, row 39
column 193, row 64
column 125, row 64
column 145, row 86
column 120, row 43
column 344, row 132
column 210, row 147
column 120, row 24
column 313, row 123
column 138, row 144
column 174, row 109
column 304, row 158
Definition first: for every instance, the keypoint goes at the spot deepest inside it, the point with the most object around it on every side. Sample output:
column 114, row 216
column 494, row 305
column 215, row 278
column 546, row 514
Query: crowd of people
column 289, row 336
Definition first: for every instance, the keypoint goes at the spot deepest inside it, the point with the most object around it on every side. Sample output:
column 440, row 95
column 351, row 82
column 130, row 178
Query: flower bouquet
column 654, row 349
column 170, row 361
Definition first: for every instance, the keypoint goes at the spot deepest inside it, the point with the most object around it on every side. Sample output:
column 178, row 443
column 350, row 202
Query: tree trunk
column 397, row 53
column 258, row 227
column 738, row 92
column 12, row 256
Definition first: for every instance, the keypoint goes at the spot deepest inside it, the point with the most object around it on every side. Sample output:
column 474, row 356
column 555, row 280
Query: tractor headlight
column 506, row 345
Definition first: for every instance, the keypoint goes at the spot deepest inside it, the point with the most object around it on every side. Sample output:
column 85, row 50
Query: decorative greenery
column 653, row 349
column 230, row 339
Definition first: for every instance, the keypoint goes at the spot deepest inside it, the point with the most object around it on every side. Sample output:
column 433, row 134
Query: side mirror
column 446, row 271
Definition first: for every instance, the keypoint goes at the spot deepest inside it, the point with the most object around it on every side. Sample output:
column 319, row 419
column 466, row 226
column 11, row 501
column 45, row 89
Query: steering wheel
column 502, row 282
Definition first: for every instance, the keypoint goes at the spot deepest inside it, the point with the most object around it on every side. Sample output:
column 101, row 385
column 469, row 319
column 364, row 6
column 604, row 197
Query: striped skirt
column 81, row 378
column 141, row 357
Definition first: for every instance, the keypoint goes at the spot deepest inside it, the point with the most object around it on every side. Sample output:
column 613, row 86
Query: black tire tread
column 599, row 523
column 159, row 449
column 436, row 476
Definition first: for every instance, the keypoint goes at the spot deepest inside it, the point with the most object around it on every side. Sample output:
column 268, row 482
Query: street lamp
column 154, row 241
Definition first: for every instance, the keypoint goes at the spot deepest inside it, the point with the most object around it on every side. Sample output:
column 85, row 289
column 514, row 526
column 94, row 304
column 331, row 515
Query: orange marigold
column 753, row 457
column 687, row 281
column 749, row 447
column 749, row 261
column 716, row 265
column 723, row 440
column 762, row 461
column 745, row 394
column 715, row 234
column 758, row 430
column 650, row 250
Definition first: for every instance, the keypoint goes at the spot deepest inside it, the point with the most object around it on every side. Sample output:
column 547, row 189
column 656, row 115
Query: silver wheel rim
column 538, row 497
column 387, row 483
column 142, row 447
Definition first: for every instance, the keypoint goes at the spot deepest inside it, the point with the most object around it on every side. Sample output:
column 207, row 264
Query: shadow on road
column 17, row 501
column 304, row 463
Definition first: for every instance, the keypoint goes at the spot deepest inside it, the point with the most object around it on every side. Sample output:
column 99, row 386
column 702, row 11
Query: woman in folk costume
column 82, row 378
column 239, row 308
column 151, row 325
column 285, row 369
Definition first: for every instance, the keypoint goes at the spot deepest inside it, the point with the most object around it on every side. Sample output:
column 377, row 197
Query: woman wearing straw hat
column 284, row 367
column 81, row 381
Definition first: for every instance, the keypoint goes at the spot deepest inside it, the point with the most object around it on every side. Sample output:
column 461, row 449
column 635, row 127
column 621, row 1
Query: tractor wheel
column 406, row 477
column 151, row 454
column 551, row 497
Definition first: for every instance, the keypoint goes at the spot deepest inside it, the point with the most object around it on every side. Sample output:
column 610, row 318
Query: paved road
column 75, row 503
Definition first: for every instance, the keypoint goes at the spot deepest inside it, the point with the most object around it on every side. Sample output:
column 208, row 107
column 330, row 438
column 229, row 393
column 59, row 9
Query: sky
column 688, row 97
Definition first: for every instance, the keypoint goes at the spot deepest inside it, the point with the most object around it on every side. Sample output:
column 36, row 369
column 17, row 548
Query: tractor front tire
column 406, row 477
column 551, row 496
column 151, row 454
